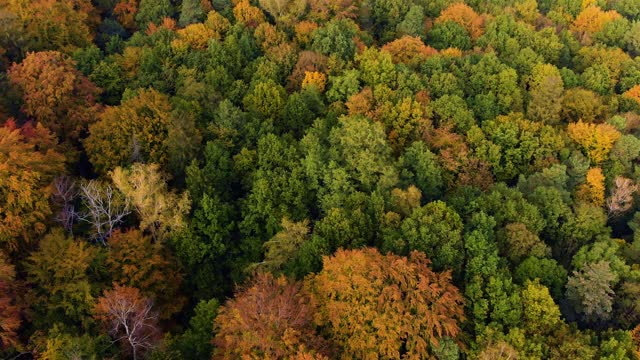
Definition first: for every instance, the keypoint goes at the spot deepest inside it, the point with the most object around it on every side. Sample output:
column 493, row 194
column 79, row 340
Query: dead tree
column 621, row 198
column 105, row 208
column 64, row 194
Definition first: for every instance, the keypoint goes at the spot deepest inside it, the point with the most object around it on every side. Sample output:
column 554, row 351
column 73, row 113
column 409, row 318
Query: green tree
column 191, row 12
column 153, row 11
column 545, row 91
column 58, row 273
column 590, row 290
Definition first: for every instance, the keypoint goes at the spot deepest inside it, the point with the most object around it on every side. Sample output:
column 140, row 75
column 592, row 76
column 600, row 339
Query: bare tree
column 621, row 198
column 129, row 319
column 105, row 208
column 64, row 194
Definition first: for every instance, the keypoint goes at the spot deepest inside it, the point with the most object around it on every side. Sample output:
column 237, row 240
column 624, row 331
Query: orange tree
column 385, row 306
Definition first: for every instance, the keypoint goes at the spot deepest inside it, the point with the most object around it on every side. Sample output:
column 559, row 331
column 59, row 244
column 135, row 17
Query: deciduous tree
column 160, row 210
column 270, row 318
column 388, row 306
column 55, row 93
column 9, row 310
column 595, row 139
column 129, row 318
column 28, row 163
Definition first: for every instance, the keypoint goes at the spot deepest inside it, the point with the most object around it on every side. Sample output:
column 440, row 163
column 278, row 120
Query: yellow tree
column 385, row 306
column 592, row 190
column 135, row 130
column 63, row 25
column 9, row 310
column 633, row 94
column 161, row 212
column 591, row 20
column 595, row 139
column 28, row 163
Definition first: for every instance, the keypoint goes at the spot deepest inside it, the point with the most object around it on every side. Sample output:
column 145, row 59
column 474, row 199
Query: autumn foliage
column 595, row 139
column 465, row 16
column 55, row 93
column 384, row 305
column 271, row 318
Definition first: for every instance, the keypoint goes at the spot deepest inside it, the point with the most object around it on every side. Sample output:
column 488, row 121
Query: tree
column 449, row 34
column 270, row 318
column 375, row 305
column 134, row 260
column 9, row 309
column 590, row 291
column 541, row 316
column 28, row 163
column 63, row 25
column 191, row 12
column 247, row 14
column 420, row 167
column 136, row 130
column 58, row 273
column 595, row 139
column 129, row 318
column 546, row 89
column 579, row 104
column 408, row 50
column 153, row 11
column 591, row 20
column 465, row 16
column 436, row 230
column 621, row 199
column 266, row 99
column 284, row 246
column 195, row 342
column 592, row 191
column 336, row 37
column 104, row 209
column 55, row 93
column 161, row 212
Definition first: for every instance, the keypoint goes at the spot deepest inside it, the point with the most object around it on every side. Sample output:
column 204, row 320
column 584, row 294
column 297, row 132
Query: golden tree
column 385, row 306
column 595, row 139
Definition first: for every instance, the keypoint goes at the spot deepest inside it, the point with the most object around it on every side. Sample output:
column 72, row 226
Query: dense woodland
column 319, row 179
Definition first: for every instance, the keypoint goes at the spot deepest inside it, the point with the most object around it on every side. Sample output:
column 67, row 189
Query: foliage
column 389, row 306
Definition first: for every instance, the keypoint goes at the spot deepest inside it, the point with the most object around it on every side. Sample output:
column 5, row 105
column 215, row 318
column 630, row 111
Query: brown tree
column 129, row 319
column 55, row 93
column 385, row 306
column 272, row 318
column 135, row 260
column 621, row 198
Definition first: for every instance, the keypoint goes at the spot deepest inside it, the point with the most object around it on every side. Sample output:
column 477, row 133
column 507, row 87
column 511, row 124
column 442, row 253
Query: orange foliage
column 167, row 23
column 268, row 36
column 593, row 190
column 304, row 30
column 126, row 11
column 55, row 93
column 465, row 16
column 408, row 50
column 591, row 20
column 328, row 9
column 635, row 336
column 385, row 306
column 314, row 78
column 308, row 61
column 28, row 163
column 271, row 318
column 361, row 103
column 596, row 140
column 633, row 93
column 248, row 14
column 128, row 317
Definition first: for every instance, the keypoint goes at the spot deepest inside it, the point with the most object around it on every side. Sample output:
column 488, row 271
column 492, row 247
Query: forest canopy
column 320, row 179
